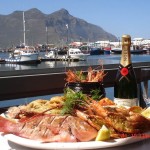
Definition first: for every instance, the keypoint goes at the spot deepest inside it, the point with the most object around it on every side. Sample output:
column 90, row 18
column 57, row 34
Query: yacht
column 23, row 54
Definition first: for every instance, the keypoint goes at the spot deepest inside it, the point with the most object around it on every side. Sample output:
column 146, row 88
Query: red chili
column 124, row 71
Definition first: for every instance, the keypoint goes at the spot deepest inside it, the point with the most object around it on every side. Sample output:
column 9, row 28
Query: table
column 142, row 145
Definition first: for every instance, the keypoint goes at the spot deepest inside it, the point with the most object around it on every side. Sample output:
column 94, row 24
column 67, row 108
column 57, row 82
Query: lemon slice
column 146, row 112
column 103, row 134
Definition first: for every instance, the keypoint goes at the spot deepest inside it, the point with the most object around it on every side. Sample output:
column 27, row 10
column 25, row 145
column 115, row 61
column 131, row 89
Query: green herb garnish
column 95, row 94
column 73, row 100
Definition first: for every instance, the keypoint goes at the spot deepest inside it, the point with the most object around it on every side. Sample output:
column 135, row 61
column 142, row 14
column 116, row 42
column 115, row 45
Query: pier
column 59, row 59
column 13, row 61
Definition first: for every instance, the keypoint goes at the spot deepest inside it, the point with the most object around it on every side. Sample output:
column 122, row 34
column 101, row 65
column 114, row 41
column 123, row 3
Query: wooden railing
column 37, row 82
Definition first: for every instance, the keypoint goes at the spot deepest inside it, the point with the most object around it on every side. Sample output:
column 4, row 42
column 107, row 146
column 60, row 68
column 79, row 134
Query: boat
column 85, row 49
column 107, row 50
column 73, row 54
column 96, row 51
column 54, row 55
column 23, row 53
column 76, row 53
column 117, row 50
column 2, row 60
column 136, row 51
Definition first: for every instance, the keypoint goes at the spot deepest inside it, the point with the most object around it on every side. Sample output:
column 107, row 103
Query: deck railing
column 37, row 82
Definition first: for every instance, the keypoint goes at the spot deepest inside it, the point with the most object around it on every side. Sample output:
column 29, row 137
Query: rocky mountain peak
column 62, row 12
column 34, row 13
column 11, row 28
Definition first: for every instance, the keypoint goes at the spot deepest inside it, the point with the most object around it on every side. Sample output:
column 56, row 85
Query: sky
column 117, row 17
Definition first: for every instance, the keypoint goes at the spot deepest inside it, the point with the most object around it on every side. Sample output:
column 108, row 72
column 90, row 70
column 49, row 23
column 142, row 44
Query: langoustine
column 93, row 75
column 121, row 119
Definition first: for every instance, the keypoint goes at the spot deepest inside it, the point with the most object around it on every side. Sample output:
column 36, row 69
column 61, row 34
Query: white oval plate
column 71, row 146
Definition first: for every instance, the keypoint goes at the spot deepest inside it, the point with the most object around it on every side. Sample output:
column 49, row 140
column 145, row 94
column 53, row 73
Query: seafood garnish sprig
column 73, row 100
column 95, row 94
column 93, row 75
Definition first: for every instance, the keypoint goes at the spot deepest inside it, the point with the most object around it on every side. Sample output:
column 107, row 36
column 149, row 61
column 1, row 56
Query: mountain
column 11, row 28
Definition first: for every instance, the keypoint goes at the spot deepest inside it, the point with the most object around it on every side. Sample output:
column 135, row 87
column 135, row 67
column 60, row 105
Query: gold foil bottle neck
column 126, row 40
column 126, row 56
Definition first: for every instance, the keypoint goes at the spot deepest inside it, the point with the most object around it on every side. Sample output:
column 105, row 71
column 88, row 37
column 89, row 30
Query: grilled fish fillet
column 50, row 128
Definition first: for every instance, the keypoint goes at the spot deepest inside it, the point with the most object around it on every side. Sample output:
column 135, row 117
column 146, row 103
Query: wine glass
column 147, row 101
column 146, row 96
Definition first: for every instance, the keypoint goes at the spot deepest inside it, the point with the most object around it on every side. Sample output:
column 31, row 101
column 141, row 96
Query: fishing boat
column 23, row 53
column 96, row 51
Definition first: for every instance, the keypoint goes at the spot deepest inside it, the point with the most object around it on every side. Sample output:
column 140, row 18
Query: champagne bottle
column 125, row 87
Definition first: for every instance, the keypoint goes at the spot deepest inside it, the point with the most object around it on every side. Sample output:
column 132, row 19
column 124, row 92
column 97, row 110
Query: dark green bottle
column 125, row 87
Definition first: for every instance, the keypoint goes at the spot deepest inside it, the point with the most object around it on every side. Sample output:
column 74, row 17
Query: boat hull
column 29, row 57
column 26, row 58
column 75, row 53
column 96, row 51
column 119, row 51
column 79, row 57
column 16, row 61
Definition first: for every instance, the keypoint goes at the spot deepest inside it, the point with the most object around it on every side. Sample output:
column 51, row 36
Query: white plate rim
column 71, row 146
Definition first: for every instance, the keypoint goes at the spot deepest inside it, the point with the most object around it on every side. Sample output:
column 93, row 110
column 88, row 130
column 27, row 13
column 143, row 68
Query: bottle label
column 126, row 102
column 124, row 71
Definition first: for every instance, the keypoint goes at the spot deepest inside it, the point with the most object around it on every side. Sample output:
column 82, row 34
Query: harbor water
column 91, row 60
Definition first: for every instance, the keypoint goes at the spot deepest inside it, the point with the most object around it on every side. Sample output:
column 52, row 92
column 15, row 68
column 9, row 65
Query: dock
column 59, row 59
column 3, row 61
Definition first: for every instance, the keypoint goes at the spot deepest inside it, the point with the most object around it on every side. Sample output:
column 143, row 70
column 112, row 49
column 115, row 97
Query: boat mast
column 24, row 30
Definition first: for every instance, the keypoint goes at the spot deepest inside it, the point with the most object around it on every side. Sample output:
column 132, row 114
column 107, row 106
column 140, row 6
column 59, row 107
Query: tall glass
column 146, row 93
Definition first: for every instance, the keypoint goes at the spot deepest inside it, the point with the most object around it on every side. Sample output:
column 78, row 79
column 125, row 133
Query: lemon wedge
column 146, row 112
column 103, row 134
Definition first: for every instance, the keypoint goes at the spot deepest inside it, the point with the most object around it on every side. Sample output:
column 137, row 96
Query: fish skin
column 50, row 128
column 6, row 125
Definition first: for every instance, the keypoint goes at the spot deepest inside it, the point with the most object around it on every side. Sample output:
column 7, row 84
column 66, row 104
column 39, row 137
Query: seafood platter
column 75, row 120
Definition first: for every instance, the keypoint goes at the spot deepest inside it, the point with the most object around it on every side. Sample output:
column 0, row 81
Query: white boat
column 23, row 54
column 71, row 54
column 52, row 54
column 75, row 53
